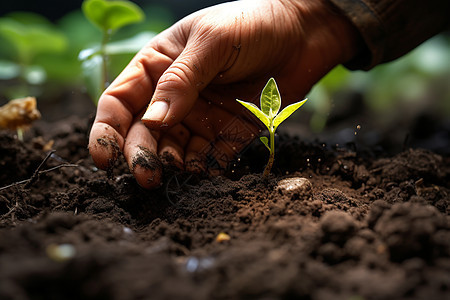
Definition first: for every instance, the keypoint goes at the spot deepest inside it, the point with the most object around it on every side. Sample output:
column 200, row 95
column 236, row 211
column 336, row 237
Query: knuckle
column 178, row 75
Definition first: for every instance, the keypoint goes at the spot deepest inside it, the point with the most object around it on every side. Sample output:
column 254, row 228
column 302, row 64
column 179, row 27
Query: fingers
column 196, row 155
column 121, row 102
column 175, row 94
column 105, row 145
column 212, row 157
column 140, row 153
column 217, row 138
column 172, row 145
column 108, row 132
column 192, row 70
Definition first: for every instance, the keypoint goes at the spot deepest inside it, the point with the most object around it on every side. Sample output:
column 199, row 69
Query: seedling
column 24, row 38
column 108, row 16
column 268, row 114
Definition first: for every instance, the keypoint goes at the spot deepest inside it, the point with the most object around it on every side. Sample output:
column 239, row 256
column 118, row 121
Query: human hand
column 192, row 73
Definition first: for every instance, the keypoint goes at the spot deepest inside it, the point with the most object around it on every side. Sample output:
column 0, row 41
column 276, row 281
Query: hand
column 192, row 73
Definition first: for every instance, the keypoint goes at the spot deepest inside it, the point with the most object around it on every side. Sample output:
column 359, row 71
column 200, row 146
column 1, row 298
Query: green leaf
column 31, row 40
column 265, row 141
column 28, row 18
column 130, row 45
column 15, row 35
column 270, row 99
column 35, row 75
column 112, row 15
column 286, row 112
column 91, row 67
column 46, row 40
column 9, row 70
column 256, row 111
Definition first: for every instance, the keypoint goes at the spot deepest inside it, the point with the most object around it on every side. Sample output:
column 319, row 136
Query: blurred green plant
column 25, row 38
column 41, row 58
column 413, row 80
column 108, row 16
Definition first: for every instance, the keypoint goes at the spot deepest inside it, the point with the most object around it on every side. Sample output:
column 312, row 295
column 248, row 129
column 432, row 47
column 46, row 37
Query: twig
column 36, row 173
column 11, row 211
column 40, row 172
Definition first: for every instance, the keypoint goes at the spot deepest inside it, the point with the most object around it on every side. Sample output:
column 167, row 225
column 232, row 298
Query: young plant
column 268, row 114
column 24, row 38
column 108, row 16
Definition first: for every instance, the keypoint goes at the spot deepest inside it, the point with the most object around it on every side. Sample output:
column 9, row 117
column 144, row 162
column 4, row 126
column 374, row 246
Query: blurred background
column 405, row 103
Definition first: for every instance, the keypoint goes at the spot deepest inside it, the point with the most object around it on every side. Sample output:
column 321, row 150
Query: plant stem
column 24, row 85
column 20, row 134
column 272, row 151
column 104, row 80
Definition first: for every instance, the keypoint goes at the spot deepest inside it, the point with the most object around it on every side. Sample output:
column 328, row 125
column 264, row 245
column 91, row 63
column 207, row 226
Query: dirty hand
column 192, row 73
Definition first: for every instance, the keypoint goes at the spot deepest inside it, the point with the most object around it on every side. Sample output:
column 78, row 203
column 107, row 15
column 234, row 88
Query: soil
column 357, row 225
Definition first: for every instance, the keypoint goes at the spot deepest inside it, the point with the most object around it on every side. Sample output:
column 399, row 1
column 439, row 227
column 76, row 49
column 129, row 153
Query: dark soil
column 361, row 226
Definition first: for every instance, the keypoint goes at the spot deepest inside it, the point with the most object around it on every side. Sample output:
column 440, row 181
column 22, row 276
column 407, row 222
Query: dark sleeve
column 391, row 28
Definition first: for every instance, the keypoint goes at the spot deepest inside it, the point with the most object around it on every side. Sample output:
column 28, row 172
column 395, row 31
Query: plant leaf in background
column 112, row 15
column 109, row 16
column 130, row 45
column 92, row 63
column 31, row 40
column 25, row 37
column 8, row 70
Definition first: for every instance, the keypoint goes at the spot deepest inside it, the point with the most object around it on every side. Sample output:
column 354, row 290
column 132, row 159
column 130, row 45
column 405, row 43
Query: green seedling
column 268, row 114
column 26, row 37
column 108, row 16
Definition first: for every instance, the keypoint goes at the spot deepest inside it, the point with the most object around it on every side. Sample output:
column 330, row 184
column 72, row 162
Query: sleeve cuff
column 371, row 30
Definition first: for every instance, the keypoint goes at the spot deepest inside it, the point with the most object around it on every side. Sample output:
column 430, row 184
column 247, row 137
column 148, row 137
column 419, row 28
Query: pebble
column 127, row 230
column 295, row 186
column 61, row 252
column 222, row 237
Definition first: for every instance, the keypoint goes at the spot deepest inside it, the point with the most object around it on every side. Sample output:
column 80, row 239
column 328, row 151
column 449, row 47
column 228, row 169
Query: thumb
column 178, row 88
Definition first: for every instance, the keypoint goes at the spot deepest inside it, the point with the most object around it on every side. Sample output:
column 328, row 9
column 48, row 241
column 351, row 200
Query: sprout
column 268, row 114
column 108, row 16
column 24, row 38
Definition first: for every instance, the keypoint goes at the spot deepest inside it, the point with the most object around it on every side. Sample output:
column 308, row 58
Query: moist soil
column 359, row 225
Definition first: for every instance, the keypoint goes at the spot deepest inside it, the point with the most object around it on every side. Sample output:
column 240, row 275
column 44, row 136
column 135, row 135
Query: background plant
column 108, row 16
column 26, row 39
column 417, row 81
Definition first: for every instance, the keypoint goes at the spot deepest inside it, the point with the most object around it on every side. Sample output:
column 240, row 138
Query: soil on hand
column 354, row 226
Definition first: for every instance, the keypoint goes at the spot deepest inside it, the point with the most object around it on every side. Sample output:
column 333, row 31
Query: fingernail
column 157, row 111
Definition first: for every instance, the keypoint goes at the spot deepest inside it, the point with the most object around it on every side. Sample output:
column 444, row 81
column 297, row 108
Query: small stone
column 61, row 252
column 127, row 231
column 295, row 187
column 222, row 237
